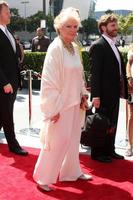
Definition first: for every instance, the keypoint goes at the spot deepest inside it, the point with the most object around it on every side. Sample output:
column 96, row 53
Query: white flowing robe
column 52, row 88
column 61, row 89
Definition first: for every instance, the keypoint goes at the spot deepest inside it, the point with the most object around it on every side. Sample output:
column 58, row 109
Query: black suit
column 106, row 84
column 9, row 73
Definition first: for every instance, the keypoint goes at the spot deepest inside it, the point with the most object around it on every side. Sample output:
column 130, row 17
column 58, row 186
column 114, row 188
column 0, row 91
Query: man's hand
column 130, row 82
column 55, row 118
column 84, row 103
column 8, row 88
column 96, row 102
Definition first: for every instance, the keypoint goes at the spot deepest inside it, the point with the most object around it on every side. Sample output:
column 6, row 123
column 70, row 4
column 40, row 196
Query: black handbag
column 95, row 129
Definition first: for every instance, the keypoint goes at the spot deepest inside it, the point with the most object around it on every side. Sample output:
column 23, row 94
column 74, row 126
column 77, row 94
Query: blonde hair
column 131, row 47
column 3, row 3
column 65, row 15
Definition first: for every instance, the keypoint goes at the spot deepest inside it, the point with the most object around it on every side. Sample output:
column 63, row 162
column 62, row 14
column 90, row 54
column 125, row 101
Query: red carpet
column 110, row 181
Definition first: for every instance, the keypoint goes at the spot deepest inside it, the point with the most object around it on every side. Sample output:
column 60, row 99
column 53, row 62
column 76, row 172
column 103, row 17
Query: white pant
column 63, row 157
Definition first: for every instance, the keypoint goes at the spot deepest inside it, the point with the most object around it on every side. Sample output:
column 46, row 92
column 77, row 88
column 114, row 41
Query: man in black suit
column 9, row 80
column 108, row 83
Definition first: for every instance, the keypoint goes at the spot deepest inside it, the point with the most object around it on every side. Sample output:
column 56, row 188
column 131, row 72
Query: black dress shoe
column 117, row 156
column 19, row 151
column 104, row 159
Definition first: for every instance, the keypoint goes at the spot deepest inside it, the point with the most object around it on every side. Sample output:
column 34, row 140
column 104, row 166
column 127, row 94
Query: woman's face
column 69, row 29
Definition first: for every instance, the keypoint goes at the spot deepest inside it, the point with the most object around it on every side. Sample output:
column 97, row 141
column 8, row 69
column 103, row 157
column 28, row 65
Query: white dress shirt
column 9, row 36
column 115, row 50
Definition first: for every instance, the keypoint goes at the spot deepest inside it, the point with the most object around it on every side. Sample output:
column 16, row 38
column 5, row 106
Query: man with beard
column 108, row 83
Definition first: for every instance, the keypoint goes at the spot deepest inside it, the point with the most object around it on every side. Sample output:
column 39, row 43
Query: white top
column 130, row 57
column 62, row 81
column 62, row 84
column 115, row 50
column 73, row 79
column 9, row 36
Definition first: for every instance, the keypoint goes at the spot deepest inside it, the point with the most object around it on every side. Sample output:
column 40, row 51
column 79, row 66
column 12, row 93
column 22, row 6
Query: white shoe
column 129, row 152
column 45, row 188
column 85, row 177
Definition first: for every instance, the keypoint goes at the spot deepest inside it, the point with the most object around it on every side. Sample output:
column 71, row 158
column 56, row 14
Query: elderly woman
column 62, row 89
column 129, row 151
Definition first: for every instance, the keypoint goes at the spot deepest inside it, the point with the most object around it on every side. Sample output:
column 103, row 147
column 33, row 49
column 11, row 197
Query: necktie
column 10, row 39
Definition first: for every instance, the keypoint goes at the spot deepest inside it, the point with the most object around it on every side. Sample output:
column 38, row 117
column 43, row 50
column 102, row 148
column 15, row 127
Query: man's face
column 111, row 29
column 39, row 33
column 5, row 15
